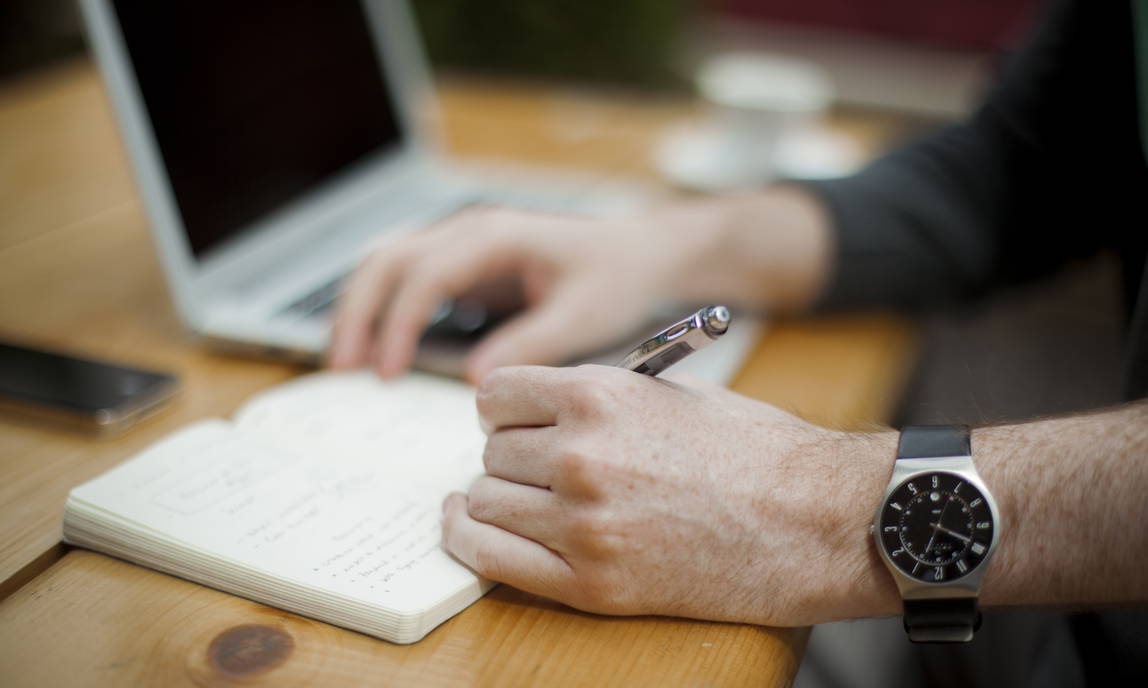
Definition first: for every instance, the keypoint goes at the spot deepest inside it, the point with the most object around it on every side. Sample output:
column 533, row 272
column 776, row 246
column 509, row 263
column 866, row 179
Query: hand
column 624, row 494
column 585, row 282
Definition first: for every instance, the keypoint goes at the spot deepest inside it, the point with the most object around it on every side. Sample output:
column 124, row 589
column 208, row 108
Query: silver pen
column 677, row 341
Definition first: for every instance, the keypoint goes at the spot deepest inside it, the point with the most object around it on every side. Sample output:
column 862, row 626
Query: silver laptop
column 273, row 143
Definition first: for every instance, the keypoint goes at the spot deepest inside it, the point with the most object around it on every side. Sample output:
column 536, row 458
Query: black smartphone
column 80, row 393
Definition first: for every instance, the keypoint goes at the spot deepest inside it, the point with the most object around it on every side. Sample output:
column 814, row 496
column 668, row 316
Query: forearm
column 1073, row 494
column 1073, row 500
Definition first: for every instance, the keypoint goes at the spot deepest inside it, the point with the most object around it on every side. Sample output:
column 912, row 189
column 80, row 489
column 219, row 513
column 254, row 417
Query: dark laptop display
column 255, row 103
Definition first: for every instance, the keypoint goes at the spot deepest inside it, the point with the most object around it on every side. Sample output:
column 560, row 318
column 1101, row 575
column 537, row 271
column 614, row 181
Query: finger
column 531, row 512
column 367, row 289
column 519, row 396
column 523, row 455
column 501, row 555
column 437, row 276
column 561, row 327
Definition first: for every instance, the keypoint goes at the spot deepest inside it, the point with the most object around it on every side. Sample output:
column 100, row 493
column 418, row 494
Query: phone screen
column 73, row 384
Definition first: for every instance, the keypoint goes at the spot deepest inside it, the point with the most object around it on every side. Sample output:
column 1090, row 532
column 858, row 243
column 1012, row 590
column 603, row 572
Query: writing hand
column 623, row 494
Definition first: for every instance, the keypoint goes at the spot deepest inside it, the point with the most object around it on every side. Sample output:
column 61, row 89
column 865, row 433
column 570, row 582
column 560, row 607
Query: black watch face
column 936, row 527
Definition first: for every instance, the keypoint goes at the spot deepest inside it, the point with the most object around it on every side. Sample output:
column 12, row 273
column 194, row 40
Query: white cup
column 758, row 100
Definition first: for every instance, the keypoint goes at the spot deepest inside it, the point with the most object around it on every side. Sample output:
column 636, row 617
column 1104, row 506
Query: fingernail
column 446, row 501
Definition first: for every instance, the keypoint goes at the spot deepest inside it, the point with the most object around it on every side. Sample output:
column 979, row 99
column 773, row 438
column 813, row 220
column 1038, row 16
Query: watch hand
column 934, row 537
column 963, row 538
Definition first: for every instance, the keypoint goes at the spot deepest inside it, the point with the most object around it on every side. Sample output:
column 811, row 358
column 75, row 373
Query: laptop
column 273, row 144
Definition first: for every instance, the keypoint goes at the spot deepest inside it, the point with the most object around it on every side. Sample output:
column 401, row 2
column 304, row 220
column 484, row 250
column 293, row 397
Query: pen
column 677, row 341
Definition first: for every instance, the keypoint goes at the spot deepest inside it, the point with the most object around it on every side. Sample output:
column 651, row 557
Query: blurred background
column 915, row 65
column 652, row 43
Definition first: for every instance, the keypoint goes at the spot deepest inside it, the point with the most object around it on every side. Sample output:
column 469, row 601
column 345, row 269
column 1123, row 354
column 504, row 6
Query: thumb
column 547, row 334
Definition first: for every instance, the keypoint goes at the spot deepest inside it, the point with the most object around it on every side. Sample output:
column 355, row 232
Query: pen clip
column 677, row 341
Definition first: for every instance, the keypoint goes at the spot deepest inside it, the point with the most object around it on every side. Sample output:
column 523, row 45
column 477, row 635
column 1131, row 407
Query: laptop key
column 318, row 302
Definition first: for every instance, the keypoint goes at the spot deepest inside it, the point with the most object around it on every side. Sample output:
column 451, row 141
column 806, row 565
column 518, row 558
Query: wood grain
column 844, row 371
column 77, row 271
column 69, row 289
column 94, row 620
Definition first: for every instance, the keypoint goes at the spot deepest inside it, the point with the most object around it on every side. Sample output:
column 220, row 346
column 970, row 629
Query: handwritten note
column 334, row 482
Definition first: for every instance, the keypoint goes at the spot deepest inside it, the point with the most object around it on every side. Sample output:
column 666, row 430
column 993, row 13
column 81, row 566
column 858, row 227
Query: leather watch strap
column 933, row 441
column 949, row 620
column 942, row 621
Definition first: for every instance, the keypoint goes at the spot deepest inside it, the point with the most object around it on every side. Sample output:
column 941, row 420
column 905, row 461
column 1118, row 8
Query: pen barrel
column 677, row 341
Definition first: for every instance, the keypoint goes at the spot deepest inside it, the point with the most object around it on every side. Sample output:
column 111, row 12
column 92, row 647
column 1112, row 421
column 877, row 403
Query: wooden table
column 77, row 271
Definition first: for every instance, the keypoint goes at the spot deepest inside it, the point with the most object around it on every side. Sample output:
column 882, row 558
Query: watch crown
column 872, row 528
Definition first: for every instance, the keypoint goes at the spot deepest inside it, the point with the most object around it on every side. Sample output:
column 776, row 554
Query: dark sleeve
column 1015, row 192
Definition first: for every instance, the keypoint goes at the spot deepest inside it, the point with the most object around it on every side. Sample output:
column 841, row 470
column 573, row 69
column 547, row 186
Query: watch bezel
column 967, row 585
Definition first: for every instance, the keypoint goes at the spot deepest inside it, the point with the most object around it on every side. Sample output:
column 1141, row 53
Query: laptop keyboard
column 318, row 302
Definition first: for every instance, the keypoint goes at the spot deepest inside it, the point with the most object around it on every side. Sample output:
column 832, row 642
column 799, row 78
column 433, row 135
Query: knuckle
column 475, row 495
column 489, row 452
column 480, row 498
column 489, row 392
column 592, row 533
column 587, row 398
column 579, row 470
column 500, row 227
column 598, row 389
column 487, row 562
column 493, row 382
column 423, row 276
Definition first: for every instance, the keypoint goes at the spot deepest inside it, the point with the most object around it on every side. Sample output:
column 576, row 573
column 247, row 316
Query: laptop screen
column 255, row 103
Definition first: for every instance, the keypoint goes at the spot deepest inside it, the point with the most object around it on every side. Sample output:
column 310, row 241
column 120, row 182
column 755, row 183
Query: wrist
column 867, row 589
column 770, row 250
column 936, row 531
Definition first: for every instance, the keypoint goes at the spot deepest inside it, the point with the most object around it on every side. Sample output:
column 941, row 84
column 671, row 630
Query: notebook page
column 422, row 427
column 313, row 512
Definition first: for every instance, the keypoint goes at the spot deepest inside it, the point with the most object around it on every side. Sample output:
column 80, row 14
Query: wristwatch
column 936, row 529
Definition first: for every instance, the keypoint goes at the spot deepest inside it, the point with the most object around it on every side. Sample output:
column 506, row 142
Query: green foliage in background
column 630, row 42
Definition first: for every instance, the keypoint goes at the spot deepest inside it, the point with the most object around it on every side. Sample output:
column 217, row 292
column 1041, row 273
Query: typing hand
column 585, row 282
column 623, row 494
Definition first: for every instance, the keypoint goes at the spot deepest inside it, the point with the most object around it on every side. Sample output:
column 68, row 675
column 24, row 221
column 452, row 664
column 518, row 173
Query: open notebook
column 322, row 497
